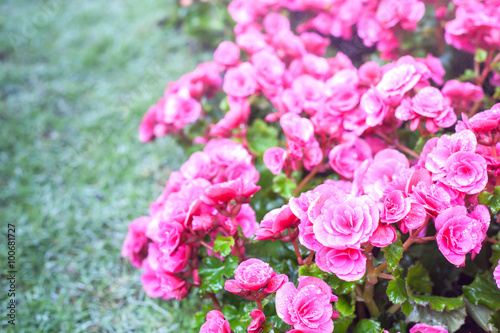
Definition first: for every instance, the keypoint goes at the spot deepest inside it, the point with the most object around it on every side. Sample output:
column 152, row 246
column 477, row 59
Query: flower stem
column 259, row 305
column 304, row 181
column 309, row 259
column 217, row 305
column 399, row 146
column 368, row 298
column 296, row 248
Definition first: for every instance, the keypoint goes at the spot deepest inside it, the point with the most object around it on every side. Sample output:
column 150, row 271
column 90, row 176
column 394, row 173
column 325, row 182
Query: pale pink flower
column 460, row 233
column 398, row 81
column 275, row 22
column 216, row 323
column 181, row 109
column 424, row 328
column 198, row 165
column 275, row 222
column 310, row 91
column 341, row 220
column 297, row 128
column 348, row 264
column 347, row 157
column 269, row 70
column 227, row 53
column 274, row 159
column 307, row 307
column 466, row 172
column 369, row 73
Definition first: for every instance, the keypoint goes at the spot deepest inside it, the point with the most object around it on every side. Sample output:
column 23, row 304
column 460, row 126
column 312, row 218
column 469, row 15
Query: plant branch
column 304, row 181
column 399, row 146
column 296, row 248
column 217, row 305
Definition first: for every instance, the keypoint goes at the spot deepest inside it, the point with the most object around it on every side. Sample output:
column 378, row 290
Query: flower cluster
column 344, row 143
column 208, row 197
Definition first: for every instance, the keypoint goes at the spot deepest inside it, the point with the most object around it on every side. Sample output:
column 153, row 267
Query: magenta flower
column 348, row 264
column 216, row 323
column 258, row 319
column 307, row 307
column 341, row 220
column 254, row 280
column 227, row 53
column 496, row 274
column 170, row 234
column 460, row 233
column 424, row 328
column 135, row 245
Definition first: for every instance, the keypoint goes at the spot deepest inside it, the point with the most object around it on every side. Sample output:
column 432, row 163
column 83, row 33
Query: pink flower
column 170, row 235
column 348, row 264
column 216, row 323
column 374, row 106
column 227, row 53
column 398, row 81
column 466, row 172
column 341, row 220
column 297, row 128
column 275, row 222
column 384, row 235
column 432, row 197
column 181, row 109
column 148, row 122
column 396, row 207
column 254, row 280
column 269, row 71
column 274, row 159
column 369, row 73
column 347, row 157
column 198, row 166
column 135, row 245
column 157, row 283
column 240, row 81
column 485, row 121
column 311, row 92
column 246, row 219
column 424, row 328
column 175, row 262
column 258, row 319
column 307, row 307
column 460, row 233
column 496, row 274
column 461, row 94
column 275, row 22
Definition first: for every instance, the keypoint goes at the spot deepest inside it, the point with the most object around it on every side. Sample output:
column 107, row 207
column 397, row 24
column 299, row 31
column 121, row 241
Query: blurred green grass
column 75, row 80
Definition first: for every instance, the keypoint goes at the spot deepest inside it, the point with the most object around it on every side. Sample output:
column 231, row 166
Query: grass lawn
column 75, row 80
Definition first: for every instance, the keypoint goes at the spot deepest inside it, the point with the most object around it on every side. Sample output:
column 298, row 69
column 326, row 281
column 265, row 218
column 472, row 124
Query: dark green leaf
column 450, row 320
column 284, row 186
column 223, row 245
column 312, row 270
column 393, row 253
column 396, row 290
column 278, row 323
column 439, row 303
column 495, row 320
column 261, row 136
column 345, row 304
column 418, row 279
column 407, row 308
column 342, row 324
column 367, row 326
column 495, row 256
column 214, row 272
column 483, row 291
column 267, row 327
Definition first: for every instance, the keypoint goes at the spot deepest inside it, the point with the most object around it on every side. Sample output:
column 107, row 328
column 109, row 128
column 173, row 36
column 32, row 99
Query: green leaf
column 495, row 256
column 284, row 186
column 261, row 136
column 267, row 327
column 312, row 270
column 342, row 324
column 439, row 303
column 396, row 290
column 418, row 279
column 339, row 287
column 407, row 308
column 223, row 245
column 484, row 291
column 495, row 320
column 468, row 75
column 480, row 55
column 450, row 320
column 367, row 326
column 480, row 314
column 491, row 200
column 214, row 272
column 345, row 304
column 393, row 253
